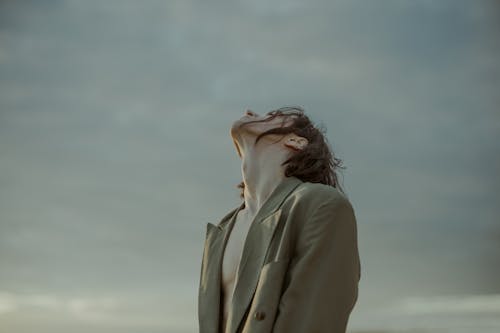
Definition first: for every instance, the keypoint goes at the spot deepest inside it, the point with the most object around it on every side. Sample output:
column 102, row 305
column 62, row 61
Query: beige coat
column 299, row 269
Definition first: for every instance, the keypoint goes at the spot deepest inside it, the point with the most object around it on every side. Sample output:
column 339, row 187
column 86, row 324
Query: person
column 286, row 260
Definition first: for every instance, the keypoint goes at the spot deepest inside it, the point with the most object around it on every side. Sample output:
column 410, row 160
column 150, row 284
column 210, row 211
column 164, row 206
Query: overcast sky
column 115, row 152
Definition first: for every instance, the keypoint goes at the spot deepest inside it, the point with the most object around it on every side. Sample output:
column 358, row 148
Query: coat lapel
column 254, row 251
column 209, row 301
column 253, row 256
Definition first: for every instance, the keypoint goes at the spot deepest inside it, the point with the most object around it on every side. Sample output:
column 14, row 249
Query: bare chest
column 232, row 256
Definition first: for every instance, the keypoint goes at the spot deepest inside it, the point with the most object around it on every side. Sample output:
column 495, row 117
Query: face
column 251, row 124
column 254, row 124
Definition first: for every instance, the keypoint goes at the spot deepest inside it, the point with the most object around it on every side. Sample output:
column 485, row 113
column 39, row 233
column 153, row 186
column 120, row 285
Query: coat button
column 259, row 315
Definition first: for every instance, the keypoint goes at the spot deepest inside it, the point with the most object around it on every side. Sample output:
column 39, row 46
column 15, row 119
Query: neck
column 262, row 173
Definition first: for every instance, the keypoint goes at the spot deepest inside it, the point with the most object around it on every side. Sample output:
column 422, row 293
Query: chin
column 235, row 128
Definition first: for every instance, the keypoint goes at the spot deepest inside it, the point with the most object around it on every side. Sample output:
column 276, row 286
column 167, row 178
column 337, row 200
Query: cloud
column 106, row 310
column 82, row 308
column 443, row 313
column 7, row 303
column 115, row 148
column 451, row 304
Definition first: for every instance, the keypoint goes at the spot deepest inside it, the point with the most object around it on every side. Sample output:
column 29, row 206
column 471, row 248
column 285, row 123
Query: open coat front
column 299, row 269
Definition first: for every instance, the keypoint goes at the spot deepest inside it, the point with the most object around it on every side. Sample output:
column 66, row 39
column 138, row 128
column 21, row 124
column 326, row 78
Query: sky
column 115, row 152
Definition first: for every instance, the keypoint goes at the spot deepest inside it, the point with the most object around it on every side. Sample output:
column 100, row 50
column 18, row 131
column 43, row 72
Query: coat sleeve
column 323, row 278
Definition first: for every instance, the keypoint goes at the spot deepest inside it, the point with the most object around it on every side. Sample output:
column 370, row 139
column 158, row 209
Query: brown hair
column 315, row 163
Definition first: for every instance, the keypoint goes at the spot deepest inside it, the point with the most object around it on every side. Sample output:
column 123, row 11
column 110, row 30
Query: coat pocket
column 266, row 298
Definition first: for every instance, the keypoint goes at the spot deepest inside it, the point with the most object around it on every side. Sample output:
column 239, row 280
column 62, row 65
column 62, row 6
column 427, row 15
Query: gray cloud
column 115, row 147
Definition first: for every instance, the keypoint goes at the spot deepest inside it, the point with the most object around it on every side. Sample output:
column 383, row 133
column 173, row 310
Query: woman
column 286, row 260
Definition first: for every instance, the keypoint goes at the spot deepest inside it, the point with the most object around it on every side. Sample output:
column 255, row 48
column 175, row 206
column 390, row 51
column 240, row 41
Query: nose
column 250, row 113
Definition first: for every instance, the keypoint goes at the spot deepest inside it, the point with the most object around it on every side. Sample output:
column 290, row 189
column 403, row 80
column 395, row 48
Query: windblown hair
column 315, row 163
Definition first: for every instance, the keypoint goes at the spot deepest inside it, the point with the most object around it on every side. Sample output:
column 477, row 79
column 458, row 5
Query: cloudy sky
column 115, row 152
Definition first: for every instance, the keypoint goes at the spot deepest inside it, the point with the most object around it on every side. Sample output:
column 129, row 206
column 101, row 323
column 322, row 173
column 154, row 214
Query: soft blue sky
column 115, row 151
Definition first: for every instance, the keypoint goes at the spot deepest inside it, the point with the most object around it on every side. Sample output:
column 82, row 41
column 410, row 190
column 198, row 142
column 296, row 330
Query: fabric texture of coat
column 299, row 268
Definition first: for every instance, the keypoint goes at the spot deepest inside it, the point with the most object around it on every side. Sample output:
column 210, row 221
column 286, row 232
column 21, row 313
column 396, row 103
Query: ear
column 295, row 142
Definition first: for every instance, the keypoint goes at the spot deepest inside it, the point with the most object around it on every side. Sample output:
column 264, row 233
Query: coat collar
column 252, row 259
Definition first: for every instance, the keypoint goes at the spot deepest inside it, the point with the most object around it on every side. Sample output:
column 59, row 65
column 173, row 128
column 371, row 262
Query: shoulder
column 322, row 208
column 317, row 194
column 316, row 199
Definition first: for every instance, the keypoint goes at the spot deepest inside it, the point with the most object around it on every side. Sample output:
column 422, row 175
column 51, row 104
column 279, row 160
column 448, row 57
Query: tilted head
column 310, row 157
